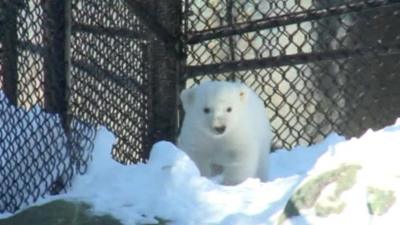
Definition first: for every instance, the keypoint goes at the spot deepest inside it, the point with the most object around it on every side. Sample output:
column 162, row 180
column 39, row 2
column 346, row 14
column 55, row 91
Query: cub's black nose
column 220, row 129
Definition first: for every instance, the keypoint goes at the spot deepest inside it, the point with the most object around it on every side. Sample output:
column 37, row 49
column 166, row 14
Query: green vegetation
column 324, row 211
column 307, row 195
column 380, row 201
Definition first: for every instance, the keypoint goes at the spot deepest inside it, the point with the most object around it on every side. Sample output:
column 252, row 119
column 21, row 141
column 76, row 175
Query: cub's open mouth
column 220, row 129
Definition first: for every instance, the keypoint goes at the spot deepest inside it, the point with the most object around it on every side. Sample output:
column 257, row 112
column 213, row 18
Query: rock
column 59, row 212
column 380, row 201
column 309, row 195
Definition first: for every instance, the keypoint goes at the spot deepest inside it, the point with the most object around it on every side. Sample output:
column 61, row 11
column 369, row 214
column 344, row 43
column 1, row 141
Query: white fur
column 242, row 150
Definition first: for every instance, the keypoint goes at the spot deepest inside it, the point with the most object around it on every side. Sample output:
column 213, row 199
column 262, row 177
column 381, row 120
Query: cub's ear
column 243, row 96
column 243, row 92
column 187, row 97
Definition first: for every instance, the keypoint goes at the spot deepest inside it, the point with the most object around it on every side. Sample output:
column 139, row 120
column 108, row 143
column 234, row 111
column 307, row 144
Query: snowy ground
column 169, row 186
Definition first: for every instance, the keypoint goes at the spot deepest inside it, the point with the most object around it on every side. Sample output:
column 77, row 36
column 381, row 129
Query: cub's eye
column 206, row 110
column 229, row 109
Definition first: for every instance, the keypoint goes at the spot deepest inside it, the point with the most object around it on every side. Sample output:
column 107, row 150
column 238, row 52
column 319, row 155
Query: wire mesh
column 66, row 67
column 109, row 77
column 319, row 66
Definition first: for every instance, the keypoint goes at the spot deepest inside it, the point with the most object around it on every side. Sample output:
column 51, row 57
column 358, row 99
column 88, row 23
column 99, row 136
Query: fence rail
column 291, row 60
column 271, row 22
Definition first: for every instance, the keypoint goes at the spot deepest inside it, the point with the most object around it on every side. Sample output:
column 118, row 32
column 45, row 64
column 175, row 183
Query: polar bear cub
column 226, row 131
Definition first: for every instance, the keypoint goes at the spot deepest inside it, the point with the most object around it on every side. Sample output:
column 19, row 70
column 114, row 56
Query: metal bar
column 108, row 31
column 67, row 43
column 266, row 23
column 9, row 56
column 231, row 42
column 55, row 55
column 165, row 71
column 146, row 17
column 56, row 68
column 31, row 47
column 103, row 74
column 285, row 60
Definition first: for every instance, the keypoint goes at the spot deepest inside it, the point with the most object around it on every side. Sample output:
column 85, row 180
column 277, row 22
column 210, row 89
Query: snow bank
column 170, row 187
column 374, row 196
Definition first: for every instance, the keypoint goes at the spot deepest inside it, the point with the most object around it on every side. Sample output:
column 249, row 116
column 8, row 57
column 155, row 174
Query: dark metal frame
column 8, row 15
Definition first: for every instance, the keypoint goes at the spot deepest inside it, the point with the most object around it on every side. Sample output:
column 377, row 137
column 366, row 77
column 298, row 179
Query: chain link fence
column 68, row 66
column 319, row 66
column 41, row 147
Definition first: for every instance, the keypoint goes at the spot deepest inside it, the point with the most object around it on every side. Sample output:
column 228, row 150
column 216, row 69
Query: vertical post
column 165, row 70
column 56, row 56
column 145, row 69
column 57, row 31
column 231, row 42
column 8, row 35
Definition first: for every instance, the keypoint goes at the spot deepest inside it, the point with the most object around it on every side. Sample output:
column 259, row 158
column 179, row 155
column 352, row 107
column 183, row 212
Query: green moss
column 344, row 177
column 324, row 211
column 60, row 212
column 306, row 196
column 380, row 201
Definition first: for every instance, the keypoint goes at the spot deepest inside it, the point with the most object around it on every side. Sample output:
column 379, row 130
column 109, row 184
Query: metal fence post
column 165, row 70
column 56, row 59
column 8, row 55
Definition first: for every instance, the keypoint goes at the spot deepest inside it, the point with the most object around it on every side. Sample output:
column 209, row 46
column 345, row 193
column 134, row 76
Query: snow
column 169, row 185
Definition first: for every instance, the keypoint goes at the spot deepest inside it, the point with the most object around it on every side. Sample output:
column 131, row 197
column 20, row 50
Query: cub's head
column 215, row 106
